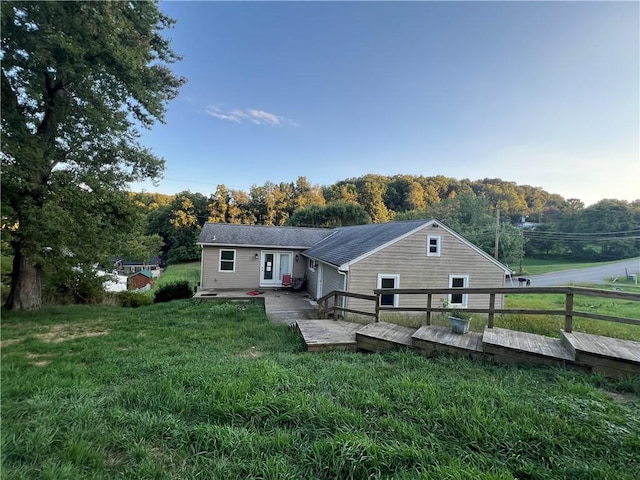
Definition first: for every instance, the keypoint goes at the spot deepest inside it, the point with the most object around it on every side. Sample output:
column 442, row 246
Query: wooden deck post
column 429, row 299
column 335, row 302
column 378, row 302
column 568, row 316
column 492, row 306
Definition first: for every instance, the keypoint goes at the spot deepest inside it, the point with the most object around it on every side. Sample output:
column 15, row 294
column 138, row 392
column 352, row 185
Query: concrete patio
column 281, row 305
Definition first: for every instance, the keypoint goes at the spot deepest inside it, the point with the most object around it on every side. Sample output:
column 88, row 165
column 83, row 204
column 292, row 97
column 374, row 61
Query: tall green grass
column 193, row 389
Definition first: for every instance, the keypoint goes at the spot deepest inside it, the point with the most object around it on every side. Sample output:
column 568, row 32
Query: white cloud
column 258, row 117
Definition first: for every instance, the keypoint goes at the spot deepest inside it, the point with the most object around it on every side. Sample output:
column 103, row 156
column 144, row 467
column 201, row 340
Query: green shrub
column 173, row 291
column 133, row 299
column 62, row 285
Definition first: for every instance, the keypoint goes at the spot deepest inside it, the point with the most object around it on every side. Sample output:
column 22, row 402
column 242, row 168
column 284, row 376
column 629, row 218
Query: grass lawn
column 193, row 389
column 181, row 271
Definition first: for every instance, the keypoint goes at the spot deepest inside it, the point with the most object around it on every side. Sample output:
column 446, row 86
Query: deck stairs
column 609, row 356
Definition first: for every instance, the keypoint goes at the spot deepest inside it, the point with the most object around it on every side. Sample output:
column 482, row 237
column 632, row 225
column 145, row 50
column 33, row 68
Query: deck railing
column 336, row 307
column 569, row 312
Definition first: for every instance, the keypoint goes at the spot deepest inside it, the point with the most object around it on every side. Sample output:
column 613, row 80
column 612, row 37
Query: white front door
column 273, row 265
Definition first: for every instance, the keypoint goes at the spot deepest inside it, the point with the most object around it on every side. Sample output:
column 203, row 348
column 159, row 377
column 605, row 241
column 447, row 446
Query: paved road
column 602, row 274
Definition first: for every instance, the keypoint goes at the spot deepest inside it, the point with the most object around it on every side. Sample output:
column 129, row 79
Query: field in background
column 181, row 271
column 534, row 266
column 173, row 390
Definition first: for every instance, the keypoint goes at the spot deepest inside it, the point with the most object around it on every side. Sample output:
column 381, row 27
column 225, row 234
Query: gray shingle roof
column 261, row 235
column 349, row 243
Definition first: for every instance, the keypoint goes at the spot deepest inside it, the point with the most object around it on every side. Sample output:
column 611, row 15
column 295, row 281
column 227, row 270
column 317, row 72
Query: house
column 358, row 259
column 140, row 279
column 127, row 267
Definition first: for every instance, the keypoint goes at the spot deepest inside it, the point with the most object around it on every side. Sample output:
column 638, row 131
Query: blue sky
column 543, row 94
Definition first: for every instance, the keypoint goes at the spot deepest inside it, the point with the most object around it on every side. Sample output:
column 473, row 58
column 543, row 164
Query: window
column 389, row 281
column 458, row 299
column 433, row 246
column 312, row 265
column 227, row 260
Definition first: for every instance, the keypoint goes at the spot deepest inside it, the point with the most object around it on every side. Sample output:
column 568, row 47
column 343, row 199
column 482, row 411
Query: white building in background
column 118, row 283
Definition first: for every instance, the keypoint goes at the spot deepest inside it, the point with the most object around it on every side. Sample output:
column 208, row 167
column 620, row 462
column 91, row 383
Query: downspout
column 199, row 287
column 344, row 287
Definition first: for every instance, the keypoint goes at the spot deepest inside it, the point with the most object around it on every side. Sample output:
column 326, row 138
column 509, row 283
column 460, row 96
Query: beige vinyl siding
column 332, row 280
column 408, row 259
column 300, row 265
column 312, row 279
column 247, row 268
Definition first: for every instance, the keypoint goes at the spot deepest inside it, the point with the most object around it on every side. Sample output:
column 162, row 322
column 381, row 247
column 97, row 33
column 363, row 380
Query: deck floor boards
column 388, row 332
column 526, row 342
column 328, row 334
column 613, row 357
column 444, row 336
column 604, row 346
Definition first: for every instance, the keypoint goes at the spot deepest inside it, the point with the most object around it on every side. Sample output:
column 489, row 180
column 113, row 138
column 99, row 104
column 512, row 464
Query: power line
column 577, row 234
column 593, row 238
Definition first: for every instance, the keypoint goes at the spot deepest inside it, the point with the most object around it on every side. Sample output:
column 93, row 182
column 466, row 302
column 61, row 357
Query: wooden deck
column 323, row 335
column 609, row 356
column 510, row 346
column 612, row 357
column 381, row 336
column 431, row 339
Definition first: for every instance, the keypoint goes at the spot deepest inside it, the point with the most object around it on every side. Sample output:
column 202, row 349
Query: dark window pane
column 388, row 283
column 457, row 282
column 227, row 254
column 456, row 298
column 387, row 300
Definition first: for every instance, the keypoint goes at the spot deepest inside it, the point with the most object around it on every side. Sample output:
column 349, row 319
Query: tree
column 78, row 80
column 333, row 214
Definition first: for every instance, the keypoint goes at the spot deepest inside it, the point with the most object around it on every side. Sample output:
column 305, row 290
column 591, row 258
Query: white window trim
column 311, row 264
column 465, row 296
column 438, row 245
column 220, row 260
column 396, row 283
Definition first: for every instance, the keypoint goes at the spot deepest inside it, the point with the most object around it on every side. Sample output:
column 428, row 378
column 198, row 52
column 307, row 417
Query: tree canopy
column 78, row 81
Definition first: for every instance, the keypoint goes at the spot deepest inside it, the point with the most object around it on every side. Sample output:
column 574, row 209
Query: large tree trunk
column 26, row 284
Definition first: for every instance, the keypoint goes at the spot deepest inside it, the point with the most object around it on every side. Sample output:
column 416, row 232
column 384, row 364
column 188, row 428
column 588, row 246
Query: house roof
column 227, row 234
column 130, row 263
column 146, row 273
column 350, row 243
column 339, row 246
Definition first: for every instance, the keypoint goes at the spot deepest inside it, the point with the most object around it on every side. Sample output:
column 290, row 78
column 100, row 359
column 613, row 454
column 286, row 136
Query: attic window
column 433, row 246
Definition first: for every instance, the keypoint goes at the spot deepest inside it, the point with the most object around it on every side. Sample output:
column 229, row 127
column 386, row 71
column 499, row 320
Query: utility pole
column 497, row 232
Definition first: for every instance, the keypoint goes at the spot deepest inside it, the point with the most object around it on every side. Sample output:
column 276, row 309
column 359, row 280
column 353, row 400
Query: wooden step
column 514, row 347
column 431, row 339
column 324, row 335
column 381, row 336
column 612, row 357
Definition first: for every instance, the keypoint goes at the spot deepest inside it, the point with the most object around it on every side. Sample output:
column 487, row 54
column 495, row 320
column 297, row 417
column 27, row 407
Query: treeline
column 608, row 230
column 562, row 227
